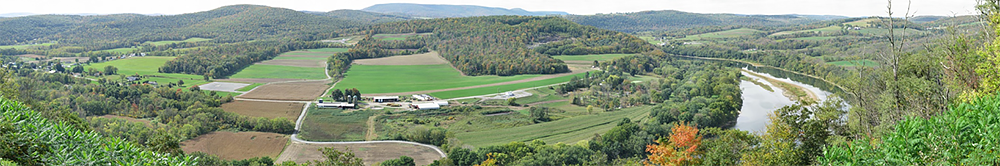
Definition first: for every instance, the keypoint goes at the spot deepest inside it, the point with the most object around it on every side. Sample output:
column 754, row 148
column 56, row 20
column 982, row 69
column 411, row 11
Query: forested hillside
column 363, row 16
column 666, row 20
column 225, row 24
column 498, row 45
column 442, row 11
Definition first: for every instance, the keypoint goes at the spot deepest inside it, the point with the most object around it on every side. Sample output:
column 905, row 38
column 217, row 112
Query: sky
column 852, row 8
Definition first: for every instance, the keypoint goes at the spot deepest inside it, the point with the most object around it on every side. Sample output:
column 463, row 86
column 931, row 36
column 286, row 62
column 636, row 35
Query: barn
column 341, row 105
column 383, row 99
column 425, row 106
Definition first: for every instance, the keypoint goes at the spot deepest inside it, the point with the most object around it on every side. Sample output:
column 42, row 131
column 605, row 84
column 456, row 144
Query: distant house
column 131, row 78
column 382, row 99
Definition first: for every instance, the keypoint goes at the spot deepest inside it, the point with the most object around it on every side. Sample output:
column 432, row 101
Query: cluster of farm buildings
column 426, row 102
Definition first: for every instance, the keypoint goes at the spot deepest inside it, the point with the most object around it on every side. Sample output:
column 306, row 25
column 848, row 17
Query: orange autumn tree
column 680, row 150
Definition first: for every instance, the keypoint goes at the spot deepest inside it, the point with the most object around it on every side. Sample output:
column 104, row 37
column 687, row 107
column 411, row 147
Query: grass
column 409, row 78
column 249, row 87
column 329, row 50
column 852, row 63
column 502, row 88
column 120, row 50
column 334, row 125
column 27, row 45
column 758, row 83
column 861, row 23
column 143, row 66
column 389, row 37
column 277, row 71
column 165, row 42
column 651, row 40
column 592, row 57
column 568, row 130
column 829, row 29
column 540, row 95
column 221, row 93
column 722, row 34
column 814, row 38
column 301, row 58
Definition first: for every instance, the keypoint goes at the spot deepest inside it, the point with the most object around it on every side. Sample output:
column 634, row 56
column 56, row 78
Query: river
column 759, row 102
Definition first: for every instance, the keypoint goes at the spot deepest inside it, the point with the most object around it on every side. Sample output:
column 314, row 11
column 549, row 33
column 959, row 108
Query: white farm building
column 425, row 106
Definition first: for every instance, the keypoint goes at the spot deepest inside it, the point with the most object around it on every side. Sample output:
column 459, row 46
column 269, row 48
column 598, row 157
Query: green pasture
column 322, row 124
column 568, row 130
column 722, row 34
column 409, row 78
column 27, row 45
column 501, row 88
column 829, row 29
column 278, row 71
column 329, row 50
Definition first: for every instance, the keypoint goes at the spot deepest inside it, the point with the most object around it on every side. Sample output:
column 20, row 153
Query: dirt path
column 371, row 135
column 543, row 77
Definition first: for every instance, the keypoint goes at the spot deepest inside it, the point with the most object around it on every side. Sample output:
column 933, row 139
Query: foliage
column 680, row 150
column 228, row 59
column 963, row 135
column 8, row 87
column 401, row 161
column 334, row 157
column 675, row 20
column 30, row 139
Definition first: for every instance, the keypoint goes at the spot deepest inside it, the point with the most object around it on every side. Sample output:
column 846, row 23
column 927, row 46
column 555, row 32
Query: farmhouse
column 425, row 106
column 382, row 99
column 341, row 105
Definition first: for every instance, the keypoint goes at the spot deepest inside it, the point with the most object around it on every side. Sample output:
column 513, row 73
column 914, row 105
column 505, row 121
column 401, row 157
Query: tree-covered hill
column 363, row 16
column 442, row 11
column 226, row 24
column 666, row 20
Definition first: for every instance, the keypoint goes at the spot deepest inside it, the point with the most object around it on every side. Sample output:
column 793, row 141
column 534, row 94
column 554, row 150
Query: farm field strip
column 279, row 71
column 165, row 42
column 237, row 145
column 502, row 87
column 567, row 130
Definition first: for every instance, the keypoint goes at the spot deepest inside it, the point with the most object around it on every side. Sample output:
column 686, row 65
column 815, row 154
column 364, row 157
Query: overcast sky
column 854, row 8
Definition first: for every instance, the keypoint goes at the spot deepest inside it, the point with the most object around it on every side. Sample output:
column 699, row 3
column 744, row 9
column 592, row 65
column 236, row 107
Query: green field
column 120, row 50
column 329, row 50
column 334, row 125
column 722, row 34
column 26, row 45
column 396, row 36
column 165, row 42
column 501, row 88
column 249, row 87
column 651, row 40
column 862, row 22
column 568, row 130
column 149, row 67
column 814, row 38
column 829, row 29
column 278, row 71
column 593, row 57
column 409, row 78
column 867, row 63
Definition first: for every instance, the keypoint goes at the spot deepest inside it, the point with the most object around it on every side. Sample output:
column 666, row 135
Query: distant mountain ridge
column 665, row 20
column 443, row 11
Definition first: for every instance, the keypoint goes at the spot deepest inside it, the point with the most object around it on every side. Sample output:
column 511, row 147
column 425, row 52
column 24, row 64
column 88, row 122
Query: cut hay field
column 589, row 59
column 294, row 91
column 408, row 78
column 568, row 130
column 289, row 111
column 237, row 145
column 120, row 50
column 502, row 88
column 370, row 153
column 165, row 42
column 321, row 124
column 279, row 71
column 867, row 63
column 722, row 34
